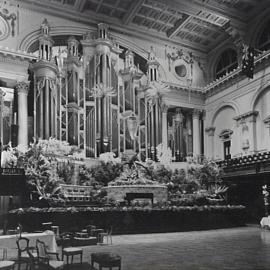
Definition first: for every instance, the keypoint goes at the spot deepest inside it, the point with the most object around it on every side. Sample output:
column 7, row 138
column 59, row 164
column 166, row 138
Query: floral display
column 48, row 164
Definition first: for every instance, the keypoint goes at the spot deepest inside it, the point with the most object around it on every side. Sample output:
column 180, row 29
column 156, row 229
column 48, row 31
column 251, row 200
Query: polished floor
column 226, row 249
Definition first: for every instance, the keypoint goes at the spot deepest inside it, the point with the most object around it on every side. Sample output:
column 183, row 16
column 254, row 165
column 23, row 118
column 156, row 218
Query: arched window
column 263, row 42
column 226, row 63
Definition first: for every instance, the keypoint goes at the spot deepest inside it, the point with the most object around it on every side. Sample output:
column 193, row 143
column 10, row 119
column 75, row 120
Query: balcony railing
column 245, row 161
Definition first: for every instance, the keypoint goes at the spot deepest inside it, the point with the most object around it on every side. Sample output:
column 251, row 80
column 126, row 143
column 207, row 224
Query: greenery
column 48, row 163
column 135, row 206
column 42, row 174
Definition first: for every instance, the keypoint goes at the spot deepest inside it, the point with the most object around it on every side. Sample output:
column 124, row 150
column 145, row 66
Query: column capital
column 164, row 107
column 210, row 131
column 196, row 113
column 2, row 93
column 203, row 114
column 22, row 87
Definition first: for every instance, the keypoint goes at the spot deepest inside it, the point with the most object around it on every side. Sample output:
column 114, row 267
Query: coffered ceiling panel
column 198, row 24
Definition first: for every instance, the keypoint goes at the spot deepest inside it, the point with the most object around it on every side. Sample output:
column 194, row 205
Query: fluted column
column 157, row 122
column 47, row 110
column 189, row 133
column 196, row 132
column 164, row 109
column 22, row 89
column 179, row 135
column 153, row 144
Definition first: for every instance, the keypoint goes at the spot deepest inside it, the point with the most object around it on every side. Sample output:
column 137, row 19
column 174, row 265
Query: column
column 153, row 144
column 202, row 133
column 179, row 135
column 210, row 151
column 47, row 110
column 189, row 133
column 157, row 122
column 22, row 89
column 2, row 93
column 196, row 132
column 164, row 109
column 253, row 135
column 105, row 103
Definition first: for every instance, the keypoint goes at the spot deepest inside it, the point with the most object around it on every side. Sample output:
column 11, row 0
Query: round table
column 106, row 259
column 7, row 265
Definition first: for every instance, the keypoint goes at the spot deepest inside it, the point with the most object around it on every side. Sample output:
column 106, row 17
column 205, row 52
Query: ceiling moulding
column 17, row 53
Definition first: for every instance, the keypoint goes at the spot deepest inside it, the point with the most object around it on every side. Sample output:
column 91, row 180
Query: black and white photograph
column 134, row 134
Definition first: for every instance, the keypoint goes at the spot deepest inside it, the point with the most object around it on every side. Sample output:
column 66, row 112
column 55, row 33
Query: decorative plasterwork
column 267, row 121
column 225, row 134
column 7, row 24
column 249, row 116
column 22, row 87
column 210, row 131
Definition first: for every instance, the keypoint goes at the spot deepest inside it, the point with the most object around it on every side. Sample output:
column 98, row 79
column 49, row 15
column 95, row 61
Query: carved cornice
column 248, row 116
column 16, row 54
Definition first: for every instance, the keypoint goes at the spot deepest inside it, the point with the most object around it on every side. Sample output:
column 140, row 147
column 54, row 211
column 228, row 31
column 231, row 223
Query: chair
column 43, row 257
column 107, row 234
column 23, row 246
column 35, row 264
column 68, row 251
column 89, row 229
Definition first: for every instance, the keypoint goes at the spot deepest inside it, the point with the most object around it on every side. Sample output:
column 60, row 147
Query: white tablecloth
column 265, row 222
column 9, row 242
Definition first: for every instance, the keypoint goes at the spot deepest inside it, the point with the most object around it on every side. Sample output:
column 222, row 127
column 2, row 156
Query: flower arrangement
column 164, row 154
column 109, row 157
column 131, row 176
column 40, row 164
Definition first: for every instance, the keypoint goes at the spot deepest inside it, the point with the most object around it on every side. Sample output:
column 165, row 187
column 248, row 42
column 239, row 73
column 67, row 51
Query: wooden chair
column 36, row 265
column 69, row 251
column 23, row 246
column 107, row 235
column 43, row 257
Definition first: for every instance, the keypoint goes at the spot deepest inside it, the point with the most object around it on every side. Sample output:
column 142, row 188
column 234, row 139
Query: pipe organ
column 91, row 95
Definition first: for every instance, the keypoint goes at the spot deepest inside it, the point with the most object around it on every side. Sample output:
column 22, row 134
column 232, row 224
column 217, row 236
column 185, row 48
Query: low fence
column 125, row 221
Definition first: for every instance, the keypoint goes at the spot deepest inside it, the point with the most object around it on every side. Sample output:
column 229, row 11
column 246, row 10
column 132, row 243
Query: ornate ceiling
column 197, row 24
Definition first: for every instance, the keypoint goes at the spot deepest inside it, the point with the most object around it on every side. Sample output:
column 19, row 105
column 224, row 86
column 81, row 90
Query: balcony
column 255, row 164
